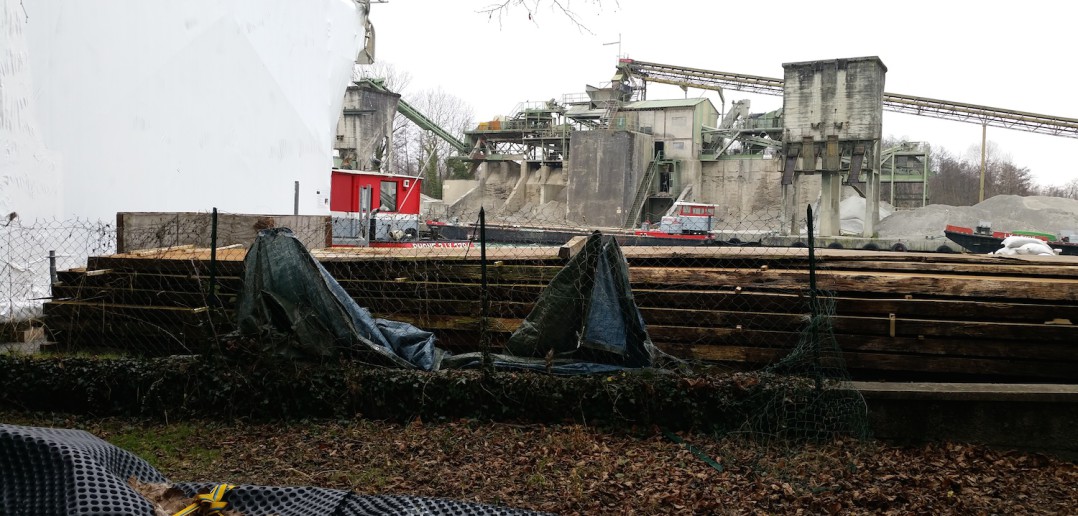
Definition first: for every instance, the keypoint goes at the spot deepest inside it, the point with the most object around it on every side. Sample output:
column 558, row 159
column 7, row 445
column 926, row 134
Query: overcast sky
column 1013, row 55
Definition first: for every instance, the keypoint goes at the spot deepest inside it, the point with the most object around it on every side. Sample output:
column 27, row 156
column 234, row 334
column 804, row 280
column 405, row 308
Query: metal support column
column 984, row 164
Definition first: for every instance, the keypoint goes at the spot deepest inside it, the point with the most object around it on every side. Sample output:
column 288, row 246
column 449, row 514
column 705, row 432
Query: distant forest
column 955, row 179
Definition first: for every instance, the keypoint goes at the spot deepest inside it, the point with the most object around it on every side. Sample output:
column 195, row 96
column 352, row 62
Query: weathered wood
column 169, row 282
column 742, row 314
column 730, row 300
column 171, row 265
column 770, row 321
column 834, row 255
column 439, row 290
column 994, row 392
column 573, row 246
column 1057, row 351
column 161, row 251
column 927, row 285
column 135, row 344
column 462, row 322
column 507, row 254
column 150, row 329
column 954, row 314
column 1003, row 349
column 992, row 287
column 1004, row 269
column 57, row 311
column 19, row 333
column 894, row 363
column 916, row 307
column 539, row 275
column 649, row 253
column 130, row 296
column 757, row 332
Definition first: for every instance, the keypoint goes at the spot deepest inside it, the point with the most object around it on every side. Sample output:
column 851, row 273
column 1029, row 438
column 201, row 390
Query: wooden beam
column 925, row 285
column 1005, row 269
column 573, row 246
column 893, row 363
column 161, row 251
column 132, row 296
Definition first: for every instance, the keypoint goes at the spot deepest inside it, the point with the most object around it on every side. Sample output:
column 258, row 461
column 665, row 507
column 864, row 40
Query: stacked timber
column 896, row 315
column 150, row 302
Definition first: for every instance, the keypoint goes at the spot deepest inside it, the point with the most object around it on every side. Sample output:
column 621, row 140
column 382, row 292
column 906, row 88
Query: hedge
column 201, row 387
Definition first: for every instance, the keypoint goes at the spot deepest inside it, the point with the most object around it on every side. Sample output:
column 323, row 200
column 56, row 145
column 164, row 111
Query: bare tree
column 450, row 113
column 1009, row 179
column 957, row 180
column 404, row 134
column 1068, row 190
column 395, row 80
column 532, row 9
column 953, row 180
column 417, row 151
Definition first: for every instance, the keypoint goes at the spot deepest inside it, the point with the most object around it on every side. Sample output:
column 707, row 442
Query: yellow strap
column 190, row 510
column 209, row 503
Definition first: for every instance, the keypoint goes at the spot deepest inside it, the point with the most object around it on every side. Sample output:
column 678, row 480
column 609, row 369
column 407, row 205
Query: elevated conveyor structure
column 420, row 119
column 922, row 106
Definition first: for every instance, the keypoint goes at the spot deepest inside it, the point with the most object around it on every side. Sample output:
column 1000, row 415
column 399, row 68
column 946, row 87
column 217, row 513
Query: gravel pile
column 1004, row 213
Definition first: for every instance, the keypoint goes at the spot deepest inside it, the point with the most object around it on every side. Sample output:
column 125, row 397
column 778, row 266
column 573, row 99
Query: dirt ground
column 573, row 469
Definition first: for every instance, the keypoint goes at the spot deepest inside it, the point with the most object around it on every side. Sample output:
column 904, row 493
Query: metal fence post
column 213, row 259
column 484, row 296
column 814, row 311
column 52, row 267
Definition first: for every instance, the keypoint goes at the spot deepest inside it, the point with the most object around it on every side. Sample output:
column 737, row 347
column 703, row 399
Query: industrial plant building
column 612, row 158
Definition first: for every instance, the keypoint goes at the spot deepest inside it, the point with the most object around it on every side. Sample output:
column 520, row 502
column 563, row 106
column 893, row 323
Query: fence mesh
column 699, row 290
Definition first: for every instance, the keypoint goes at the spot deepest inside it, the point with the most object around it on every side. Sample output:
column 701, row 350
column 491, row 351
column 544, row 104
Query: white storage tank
column 153, row 105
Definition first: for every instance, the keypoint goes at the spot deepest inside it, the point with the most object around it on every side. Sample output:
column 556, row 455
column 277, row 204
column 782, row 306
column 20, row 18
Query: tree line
column 415, row 151
column 955, row 179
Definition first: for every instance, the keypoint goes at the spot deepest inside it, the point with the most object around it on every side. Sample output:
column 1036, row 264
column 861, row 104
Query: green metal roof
column 664, row 104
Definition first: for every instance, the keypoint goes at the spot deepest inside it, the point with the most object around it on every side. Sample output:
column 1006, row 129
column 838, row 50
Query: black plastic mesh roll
column 68, row 472
column 61, row 472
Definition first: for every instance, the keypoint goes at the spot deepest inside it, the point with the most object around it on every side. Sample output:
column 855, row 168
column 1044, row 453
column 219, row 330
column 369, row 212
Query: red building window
column 387, row 196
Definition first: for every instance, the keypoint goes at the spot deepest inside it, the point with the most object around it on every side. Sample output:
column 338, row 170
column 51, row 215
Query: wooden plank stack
column 897, row 315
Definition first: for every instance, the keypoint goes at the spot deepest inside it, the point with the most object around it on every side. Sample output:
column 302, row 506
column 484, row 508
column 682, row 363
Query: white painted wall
column 30, row 182
column 156, row 105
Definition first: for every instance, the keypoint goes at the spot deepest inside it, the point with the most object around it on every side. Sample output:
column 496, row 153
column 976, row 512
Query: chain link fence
column 32, row 257
column 694, row 293
column 707, row 291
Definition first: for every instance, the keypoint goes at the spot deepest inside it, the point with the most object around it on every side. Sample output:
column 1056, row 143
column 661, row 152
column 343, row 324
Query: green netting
column 820, row 404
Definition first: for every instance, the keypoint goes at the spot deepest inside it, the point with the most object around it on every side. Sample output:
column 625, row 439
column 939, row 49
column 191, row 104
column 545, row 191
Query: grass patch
column 165, row 447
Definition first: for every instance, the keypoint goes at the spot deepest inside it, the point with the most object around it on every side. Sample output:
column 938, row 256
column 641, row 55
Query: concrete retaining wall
column 148, row 230
column 748, row 193
column 605, row 169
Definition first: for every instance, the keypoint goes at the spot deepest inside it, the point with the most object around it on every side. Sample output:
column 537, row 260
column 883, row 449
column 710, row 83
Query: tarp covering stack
column 294, row 307
column 585, row 320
